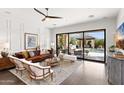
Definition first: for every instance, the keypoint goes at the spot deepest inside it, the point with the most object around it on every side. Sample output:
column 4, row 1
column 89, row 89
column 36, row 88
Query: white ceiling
column 78, row 15
column 70, row 15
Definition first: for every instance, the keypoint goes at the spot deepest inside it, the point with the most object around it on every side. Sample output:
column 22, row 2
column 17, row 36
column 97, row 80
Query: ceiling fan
column 46, row 15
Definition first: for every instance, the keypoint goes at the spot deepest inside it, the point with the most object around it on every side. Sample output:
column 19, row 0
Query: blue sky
column 98, row 35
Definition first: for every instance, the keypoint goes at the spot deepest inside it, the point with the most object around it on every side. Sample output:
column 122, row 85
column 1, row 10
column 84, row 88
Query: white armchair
column 18, row 64
column 36, row 71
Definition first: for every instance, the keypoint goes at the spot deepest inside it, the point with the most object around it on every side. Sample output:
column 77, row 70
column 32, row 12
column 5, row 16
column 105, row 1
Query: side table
column 5, row 63
column 52, row 61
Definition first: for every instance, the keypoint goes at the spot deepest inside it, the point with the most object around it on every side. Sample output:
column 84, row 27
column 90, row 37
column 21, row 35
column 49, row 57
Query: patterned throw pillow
column 25, row 54
column 37, row 52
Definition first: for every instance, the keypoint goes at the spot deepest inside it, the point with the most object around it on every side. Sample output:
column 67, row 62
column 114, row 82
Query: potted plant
column 112, row 48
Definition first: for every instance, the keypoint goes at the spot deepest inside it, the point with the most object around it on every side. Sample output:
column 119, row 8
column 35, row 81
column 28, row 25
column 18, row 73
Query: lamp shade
column 6, row 45
column 52, row 44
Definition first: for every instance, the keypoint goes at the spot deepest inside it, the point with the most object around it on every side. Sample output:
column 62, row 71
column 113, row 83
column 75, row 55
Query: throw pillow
column 19, row 55
column 43, row 52
column 50, row 51
column 31, row 53
column 38, row 52
column 25, row 54
column 46, row 51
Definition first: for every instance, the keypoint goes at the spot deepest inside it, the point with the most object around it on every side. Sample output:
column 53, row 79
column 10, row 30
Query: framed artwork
column 31, row 40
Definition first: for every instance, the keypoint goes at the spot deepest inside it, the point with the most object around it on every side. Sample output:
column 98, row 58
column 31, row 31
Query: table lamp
column 5, row 47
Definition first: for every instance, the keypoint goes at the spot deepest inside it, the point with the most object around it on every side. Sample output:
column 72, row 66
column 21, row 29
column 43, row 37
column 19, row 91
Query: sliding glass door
column 88, row 45
column 94, row 45
column 76, row 44
column 62, row 43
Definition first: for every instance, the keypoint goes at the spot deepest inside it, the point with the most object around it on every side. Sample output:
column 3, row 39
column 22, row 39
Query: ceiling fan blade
column 44, row 19
column 54, row 17
column 39, row 12
column 47, row 9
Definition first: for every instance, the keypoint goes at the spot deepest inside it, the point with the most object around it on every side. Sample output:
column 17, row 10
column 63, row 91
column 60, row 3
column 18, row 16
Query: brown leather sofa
column 38, row 57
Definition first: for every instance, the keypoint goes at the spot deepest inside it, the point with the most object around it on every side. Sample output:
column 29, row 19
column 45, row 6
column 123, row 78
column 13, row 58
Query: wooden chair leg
column 52, row 76
column 30, row 78
column 72, row 61
column 21, row 73
column 16, row 71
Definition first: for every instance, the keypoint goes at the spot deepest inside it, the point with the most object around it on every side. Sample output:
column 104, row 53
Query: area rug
column 61, row 73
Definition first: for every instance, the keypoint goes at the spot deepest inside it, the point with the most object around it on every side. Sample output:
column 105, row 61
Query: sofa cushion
column 39, row 58
column 36, row 58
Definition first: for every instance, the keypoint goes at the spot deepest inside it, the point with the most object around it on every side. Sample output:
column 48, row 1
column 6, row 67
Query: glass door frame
column 57, row 42
column 104, row 30
column 98, row 30
column 82, row 44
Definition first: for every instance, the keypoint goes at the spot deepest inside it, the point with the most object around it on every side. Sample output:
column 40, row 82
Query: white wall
column 108, row 24
column 20, row 21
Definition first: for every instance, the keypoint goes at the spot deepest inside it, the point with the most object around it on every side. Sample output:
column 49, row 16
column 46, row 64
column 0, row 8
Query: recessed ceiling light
column 7, row 12
column 54, row 24
column 91, row 16
column 105, row 17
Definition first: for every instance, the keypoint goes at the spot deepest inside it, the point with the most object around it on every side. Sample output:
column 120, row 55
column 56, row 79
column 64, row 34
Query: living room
column 68, row 46
column 33, row 40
